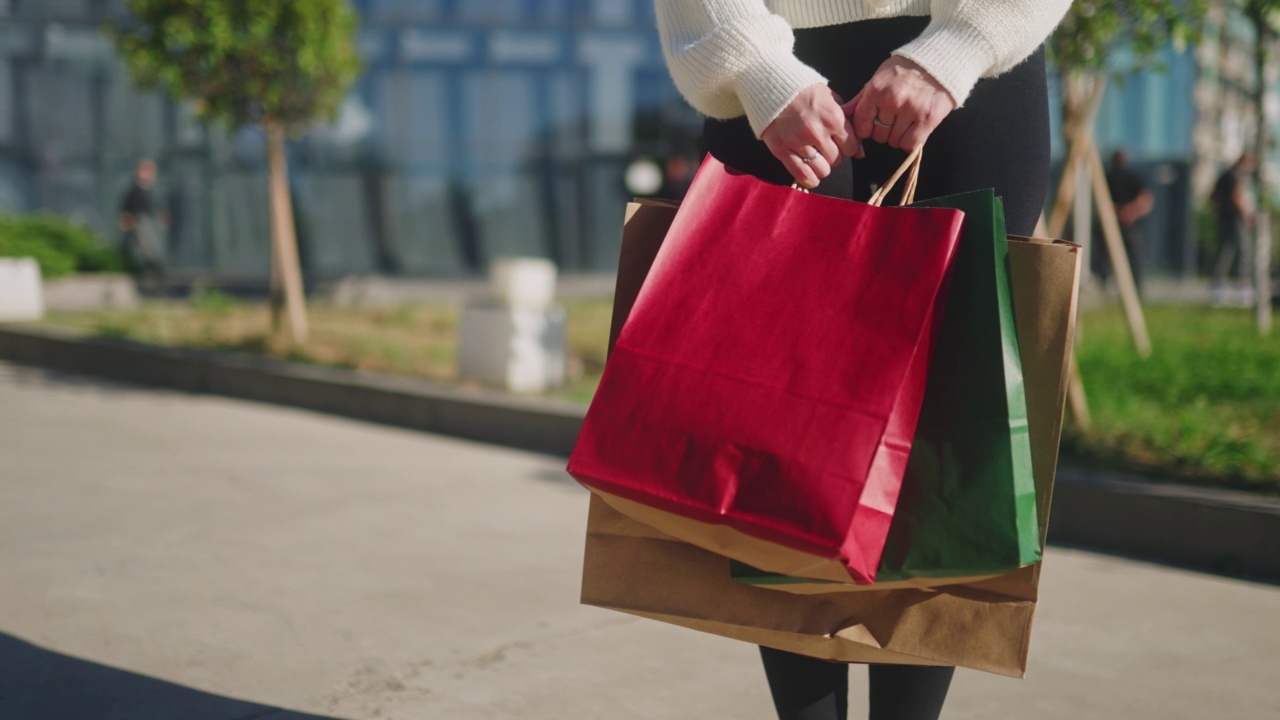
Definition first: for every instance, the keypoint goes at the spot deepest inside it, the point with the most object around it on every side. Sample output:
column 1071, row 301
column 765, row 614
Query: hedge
column 59, row 246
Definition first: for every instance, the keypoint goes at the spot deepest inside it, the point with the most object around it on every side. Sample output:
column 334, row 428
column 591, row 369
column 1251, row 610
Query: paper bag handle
column 912, row 163
column 909, row 190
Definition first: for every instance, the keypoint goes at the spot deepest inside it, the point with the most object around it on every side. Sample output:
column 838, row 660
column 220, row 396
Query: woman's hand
column 900, row 106
column 812, row 135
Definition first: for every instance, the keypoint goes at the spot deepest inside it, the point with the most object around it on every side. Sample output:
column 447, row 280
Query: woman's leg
column 908, row 692
column 804, row 688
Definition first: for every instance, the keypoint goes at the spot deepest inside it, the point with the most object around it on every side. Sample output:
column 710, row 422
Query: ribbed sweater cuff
column 766, row 87
column 956, row 54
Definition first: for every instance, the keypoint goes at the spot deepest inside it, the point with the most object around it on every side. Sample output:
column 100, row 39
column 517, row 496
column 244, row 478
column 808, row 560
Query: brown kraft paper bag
column 984, row 625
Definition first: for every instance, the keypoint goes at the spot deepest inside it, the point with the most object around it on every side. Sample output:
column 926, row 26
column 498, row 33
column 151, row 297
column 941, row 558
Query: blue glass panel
column 500, row 112
column 414, row 130
column 612, row 13
column 400, row 11
column 504, row 12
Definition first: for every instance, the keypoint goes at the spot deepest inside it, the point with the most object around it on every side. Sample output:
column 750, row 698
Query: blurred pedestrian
column 1233, row 208
column 1133, row 202
column 142, row 225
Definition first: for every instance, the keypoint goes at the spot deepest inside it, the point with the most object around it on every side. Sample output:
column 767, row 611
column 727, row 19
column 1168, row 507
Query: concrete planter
column 522, row 350
column 21, row 291
column 91, row 291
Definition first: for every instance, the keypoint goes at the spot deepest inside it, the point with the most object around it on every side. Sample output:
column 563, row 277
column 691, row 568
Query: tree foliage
column 243, row 62
column 1263, row 13
column 1093, row 30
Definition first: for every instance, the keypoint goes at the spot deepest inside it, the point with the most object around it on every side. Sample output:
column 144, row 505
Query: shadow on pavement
column 39, row 684
column 32, row 376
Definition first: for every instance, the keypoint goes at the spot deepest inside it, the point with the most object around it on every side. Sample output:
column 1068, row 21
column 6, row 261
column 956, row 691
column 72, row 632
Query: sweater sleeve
column 971, row 39
column 732, row 57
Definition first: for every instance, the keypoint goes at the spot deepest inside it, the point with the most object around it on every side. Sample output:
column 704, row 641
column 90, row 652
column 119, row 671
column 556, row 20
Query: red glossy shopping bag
column 762, row 396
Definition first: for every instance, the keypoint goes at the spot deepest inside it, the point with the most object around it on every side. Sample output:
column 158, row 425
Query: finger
column 829, row 149
column 820, row 167
column 850, row 145
column 800, row 170
column 788, row 158
column 881, row 129
column 914, row 137
column 900, row 129
column 815, row 160
column 919, row 132
column 864, row 112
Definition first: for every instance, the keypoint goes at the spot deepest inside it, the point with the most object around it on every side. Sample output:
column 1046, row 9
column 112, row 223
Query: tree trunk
column 1262, row 154
column 286, row 270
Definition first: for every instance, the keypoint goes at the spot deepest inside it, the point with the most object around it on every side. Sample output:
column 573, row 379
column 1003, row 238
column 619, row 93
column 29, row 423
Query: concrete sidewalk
column 165, row 555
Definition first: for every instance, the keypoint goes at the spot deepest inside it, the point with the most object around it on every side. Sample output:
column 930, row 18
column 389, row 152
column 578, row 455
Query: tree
column 279, row 65
column 1084, row 51
column 1264, row 15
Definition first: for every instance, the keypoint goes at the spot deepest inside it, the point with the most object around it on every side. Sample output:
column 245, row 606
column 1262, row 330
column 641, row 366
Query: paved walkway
column 167, row 556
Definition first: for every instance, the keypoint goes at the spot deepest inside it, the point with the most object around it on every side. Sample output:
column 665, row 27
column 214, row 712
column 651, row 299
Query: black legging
column 999, row 139
column 807, row 689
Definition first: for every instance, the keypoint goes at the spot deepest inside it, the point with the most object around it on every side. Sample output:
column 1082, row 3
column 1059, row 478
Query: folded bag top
column 762, row 396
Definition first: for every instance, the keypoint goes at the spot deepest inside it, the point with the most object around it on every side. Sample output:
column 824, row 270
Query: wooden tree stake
column 283, row 235
column 1076, row 400
column 1119, row 257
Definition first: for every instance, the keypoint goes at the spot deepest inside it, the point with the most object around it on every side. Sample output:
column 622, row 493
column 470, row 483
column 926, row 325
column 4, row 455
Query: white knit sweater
column 734, row 57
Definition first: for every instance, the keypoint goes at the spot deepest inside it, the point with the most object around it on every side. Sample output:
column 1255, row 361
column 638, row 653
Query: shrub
column 60, row 247
column 211, row 299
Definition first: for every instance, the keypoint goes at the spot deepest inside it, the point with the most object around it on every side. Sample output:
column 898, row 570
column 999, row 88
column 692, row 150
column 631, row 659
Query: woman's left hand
column 900, row 106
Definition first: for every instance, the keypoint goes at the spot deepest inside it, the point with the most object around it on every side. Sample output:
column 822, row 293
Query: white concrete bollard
column 21, row 293
column 521, row 350
column 516, row 341
column 525, row 283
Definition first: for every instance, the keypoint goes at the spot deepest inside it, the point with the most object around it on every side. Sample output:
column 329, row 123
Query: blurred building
column 482, row 129
column 479, row 129
column 1182, row 124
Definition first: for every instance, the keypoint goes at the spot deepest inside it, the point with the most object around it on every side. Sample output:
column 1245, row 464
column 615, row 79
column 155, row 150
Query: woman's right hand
column 812, row 127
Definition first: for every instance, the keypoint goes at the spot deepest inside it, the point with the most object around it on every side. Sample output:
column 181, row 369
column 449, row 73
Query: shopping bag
column 761, row 398
column 984, row 625
column 967, row 509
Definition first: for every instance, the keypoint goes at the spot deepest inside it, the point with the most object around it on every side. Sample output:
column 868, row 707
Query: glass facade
column 477, row 130
column 1152, row 116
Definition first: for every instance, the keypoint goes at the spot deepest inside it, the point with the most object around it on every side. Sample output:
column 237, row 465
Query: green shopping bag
column 968, row 503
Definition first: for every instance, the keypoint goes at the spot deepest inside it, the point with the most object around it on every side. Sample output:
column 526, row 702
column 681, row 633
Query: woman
column 965, row 77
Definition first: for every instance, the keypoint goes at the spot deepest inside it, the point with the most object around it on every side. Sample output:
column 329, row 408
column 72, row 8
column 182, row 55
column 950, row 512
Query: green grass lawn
column 412, row 340
column 1204, row 408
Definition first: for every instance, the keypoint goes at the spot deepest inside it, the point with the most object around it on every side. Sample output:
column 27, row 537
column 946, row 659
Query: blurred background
column 477, row 129
column 462, row 134
column 486, row 129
